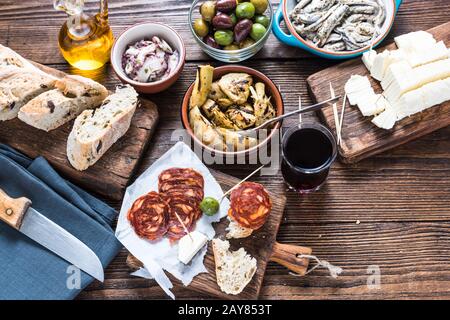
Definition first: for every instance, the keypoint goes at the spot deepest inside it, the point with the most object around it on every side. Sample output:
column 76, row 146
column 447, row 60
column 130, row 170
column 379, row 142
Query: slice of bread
column 10, row 58
column 236, row 231
column 234, row 270
column 95, row 131
column 18, row 86
column 53, row 108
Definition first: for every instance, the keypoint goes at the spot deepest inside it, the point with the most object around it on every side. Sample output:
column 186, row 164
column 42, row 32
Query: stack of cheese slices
column 414, row 77
column 46, row 102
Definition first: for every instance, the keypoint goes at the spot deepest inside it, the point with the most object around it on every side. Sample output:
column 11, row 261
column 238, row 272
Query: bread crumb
column 358, row 222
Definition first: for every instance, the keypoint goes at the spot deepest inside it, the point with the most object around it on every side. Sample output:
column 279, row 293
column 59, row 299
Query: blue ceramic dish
column 293, row 39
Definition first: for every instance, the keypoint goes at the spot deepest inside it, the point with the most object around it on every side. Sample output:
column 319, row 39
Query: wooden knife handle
column 288, row 256
column 12, row 210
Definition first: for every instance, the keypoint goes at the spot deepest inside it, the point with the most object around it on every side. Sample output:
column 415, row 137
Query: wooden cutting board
column 360, row 137
column 110, row 176
column 261, row 245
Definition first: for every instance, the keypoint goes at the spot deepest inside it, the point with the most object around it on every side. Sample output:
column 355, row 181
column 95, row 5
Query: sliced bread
column 18, row 86
column 9, row 57
column 53, row 108
column 234, row 270
column 236, row 231
column 95, row 131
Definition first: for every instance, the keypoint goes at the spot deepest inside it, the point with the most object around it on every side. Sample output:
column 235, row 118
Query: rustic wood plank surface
column 391, row 210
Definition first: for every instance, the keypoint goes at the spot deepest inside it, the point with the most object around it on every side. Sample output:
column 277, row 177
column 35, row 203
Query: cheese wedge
column 416, row 78
column 414, row 40
column 358, row 88
column 189, row 245
column 385, row 120
column 379, row 65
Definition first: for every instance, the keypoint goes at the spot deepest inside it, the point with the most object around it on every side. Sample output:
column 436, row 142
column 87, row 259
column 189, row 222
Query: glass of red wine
column 308, row 151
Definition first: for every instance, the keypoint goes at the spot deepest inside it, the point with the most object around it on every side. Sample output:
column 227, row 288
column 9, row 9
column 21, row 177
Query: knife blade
column 19, row 214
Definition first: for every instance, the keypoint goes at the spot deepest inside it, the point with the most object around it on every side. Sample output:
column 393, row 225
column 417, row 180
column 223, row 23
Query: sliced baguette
column 234, row 270
column 10, row 58
column 236, row 231
column 18, row 86
column 95, row 131
column 53, row 108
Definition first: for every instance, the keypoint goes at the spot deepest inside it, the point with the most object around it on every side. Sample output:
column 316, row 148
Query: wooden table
column 391, row 211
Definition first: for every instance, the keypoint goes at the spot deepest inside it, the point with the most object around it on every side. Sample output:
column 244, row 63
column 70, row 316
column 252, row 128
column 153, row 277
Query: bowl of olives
column 231, row 30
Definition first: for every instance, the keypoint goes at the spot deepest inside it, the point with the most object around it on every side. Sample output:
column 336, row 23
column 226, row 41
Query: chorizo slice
column 250, row 205
column 149, row 216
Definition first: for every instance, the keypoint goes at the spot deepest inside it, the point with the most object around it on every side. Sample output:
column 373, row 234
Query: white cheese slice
column 414, row 40
column 368, row 57
column 416, row 78
column 395, row 71
column 189, row 245
column 379, row 65
column 385, row 120
column 424, row 55
column 425, row 97
column 357, row 88
column 372, row 104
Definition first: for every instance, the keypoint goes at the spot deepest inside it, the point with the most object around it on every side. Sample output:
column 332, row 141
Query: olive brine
column 232, row 24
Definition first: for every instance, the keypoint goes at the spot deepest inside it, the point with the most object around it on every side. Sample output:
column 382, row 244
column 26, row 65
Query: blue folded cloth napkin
column 28, row 270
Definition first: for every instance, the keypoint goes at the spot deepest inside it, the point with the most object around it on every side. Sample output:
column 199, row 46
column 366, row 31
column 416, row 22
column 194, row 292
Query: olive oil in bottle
column 85, row 41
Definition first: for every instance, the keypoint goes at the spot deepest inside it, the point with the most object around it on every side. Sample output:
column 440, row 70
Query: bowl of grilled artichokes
column 224, row 102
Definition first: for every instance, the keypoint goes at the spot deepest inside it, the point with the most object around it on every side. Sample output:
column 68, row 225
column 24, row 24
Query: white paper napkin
column 162, row 255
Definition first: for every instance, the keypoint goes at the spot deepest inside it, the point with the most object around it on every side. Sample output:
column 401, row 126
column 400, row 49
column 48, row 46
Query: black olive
column 51, row 106
column 99, row 146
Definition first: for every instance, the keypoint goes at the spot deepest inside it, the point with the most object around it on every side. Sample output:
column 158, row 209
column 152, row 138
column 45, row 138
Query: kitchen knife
column 19, row 215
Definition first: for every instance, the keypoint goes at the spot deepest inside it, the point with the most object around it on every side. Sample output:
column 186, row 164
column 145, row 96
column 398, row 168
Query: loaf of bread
column 95, row 131
column 53, row 108
column 18, row 86
column 234, row 270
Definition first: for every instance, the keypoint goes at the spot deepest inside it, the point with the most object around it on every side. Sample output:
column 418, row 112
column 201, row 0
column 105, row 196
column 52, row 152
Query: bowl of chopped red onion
column 148, row 56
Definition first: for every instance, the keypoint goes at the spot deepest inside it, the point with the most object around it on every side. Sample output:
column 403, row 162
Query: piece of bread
column 53, row 108
column 234, row 270
column 10, row 58
column 95, row 131
column 18, row 86
column 236, row 231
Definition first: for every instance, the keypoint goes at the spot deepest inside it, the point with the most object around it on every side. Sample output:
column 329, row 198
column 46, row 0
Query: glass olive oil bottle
column 85, row 41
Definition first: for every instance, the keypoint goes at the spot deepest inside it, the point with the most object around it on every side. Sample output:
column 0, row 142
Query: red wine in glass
column 308, row 150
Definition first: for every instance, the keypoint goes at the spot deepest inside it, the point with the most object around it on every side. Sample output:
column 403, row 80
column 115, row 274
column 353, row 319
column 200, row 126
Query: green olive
column 208, row 10
column 264, row 20
column 260, row 5
column 209, row 206
column 247, row 43
column 233, row 18
column 245, row 10
column 231, row 47
column 224, row 37
column 258, row 31
column 201, row 27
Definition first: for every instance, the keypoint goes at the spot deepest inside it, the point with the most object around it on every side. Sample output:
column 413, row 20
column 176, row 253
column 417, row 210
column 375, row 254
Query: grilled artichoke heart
column 236, row 86
column 202, row 86
column 242, row 116
column 204, row 130
column 213, row 112
column 263, row 108
column 218, row 96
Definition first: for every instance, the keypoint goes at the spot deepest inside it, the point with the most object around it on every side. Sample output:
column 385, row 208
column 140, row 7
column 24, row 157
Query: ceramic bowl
column 145, row 31
column 271, row 89
column 294, row 39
